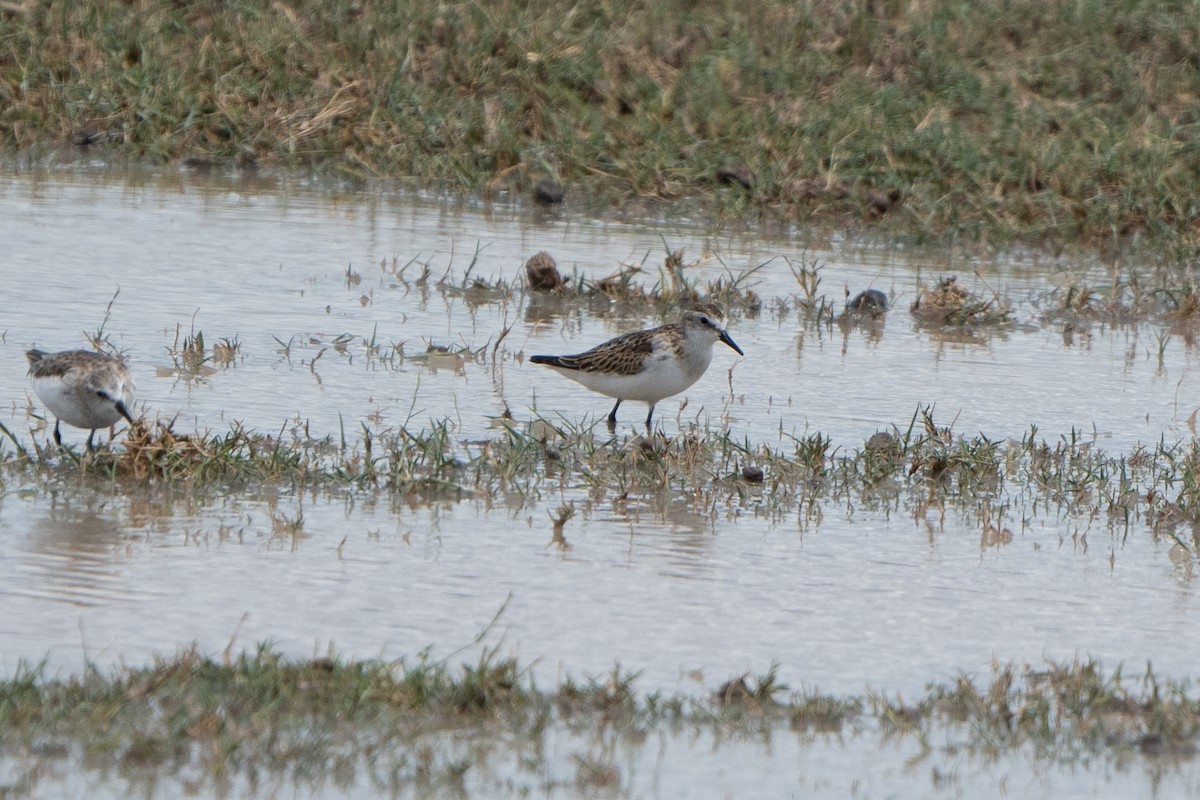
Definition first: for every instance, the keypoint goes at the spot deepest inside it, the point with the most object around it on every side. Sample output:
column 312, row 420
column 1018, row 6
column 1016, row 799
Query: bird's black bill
column 123, row 411
column 727, row 339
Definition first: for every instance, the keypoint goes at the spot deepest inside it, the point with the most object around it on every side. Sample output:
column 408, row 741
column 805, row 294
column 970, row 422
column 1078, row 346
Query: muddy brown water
column 863, row 599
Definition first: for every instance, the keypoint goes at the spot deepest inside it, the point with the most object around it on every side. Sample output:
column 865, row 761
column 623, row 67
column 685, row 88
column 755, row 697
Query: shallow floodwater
column 319, row 288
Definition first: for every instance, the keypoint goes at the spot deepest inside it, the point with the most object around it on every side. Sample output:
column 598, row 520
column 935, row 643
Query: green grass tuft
column 1058, row 122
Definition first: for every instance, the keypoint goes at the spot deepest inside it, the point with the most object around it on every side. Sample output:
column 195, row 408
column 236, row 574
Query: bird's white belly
column 73, row 406
column 662, row 377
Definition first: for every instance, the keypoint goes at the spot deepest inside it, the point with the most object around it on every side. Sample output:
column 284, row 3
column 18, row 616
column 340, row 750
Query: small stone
column 882, row 441
column 198, row 163
column 880, row 203
column 753, row 473
column 86, row 137
column 548, row 192
column 871, row 301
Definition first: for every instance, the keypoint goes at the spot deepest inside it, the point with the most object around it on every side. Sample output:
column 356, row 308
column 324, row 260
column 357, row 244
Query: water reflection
column 74, row 555
column 739, row 759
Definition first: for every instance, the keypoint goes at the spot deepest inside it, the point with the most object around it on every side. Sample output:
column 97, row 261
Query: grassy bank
column 1059, row 122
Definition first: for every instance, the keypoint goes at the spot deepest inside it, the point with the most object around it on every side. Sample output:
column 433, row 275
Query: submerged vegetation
column 258, row 717
column 1056, row 121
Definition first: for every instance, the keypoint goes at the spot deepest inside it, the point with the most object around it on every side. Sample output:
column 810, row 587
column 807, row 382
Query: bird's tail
column 550, row 361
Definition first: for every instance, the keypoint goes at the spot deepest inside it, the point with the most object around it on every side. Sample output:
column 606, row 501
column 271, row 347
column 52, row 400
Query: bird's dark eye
column 101, row 393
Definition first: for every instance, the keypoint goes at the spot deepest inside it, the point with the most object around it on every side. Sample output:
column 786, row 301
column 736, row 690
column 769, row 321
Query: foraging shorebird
column 81, row 388
column 648, row 365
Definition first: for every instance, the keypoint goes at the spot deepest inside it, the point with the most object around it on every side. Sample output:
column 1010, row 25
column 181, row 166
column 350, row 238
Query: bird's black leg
column 649, row 417
column 612, row 416
column 91, row 433
column 57, row 434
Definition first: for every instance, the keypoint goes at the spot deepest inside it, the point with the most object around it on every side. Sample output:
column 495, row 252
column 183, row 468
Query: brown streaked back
column 56, row 365
column 624, row 355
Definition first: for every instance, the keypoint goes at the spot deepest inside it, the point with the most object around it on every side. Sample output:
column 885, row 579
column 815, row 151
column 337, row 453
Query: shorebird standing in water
column 81, row 388
column 648, row 365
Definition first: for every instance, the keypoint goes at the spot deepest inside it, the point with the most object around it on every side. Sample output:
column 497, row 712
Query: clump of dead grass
column 950, row 303
column 541, row 273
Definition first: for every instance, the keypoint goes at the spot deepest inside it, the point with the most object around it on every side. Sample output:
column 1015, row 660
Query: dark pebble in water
column 871, row 301
column 753, row 474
